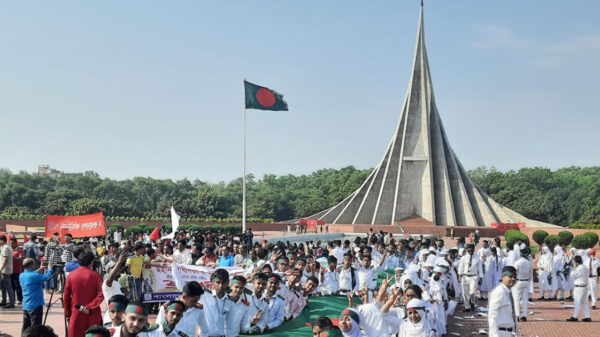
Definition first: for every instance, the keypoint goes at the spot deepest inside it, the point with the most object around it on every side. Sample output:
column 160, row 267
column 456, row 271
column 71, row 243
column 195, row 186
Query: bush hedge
column 539, row 236
column 580, row 242
column 512, row 235
column 565, row 238
column 551, row 241
column 592, row 239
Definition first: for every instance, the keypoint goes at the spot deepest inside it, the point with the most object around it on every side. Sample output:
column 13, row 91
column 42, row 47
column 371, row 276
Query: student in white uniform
column 276, row 313
column 116, row 310
column 546, row 272
column 501, row 313
column 329, row 278
column 170, row 326
column 216, row 303
column 193, row 317
column 470, row 273
column 348, row 277
column 580, row 276
column 592, row 263
column 136, row 317
column 520, row 291
column 258, row 311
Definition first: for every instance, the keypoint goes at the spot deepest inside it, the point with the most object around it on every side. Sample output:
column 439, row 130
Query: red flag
column 155, row 233
column 470, row 237
column 25, row 238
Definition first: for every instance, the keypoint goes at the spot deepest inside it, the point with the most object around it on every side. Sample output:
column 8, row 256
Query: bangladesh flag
column 262, row 98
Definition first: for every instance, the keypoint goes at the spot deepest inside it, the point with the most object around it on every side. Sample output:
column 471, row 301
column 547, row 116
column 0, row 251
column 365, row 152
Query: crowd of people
column 105, row 277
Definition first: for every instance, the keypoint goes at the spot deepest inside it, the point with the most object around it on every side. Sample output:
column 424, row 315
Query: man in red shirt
column 18, row 255
column 83, row 296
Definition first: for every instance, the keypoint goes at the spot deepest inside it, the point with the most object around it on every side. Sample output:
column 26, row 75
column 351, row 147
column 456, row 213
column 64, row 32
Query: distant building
column 47, row 171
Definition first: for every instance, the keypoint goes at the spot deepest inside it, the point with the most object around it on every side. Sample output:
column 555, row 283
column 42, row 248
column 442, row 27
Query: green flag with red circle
column 262, row 98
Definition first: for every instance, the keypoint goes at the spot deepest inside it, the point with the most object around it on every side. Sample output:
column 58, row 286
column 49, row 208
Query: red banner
column 79, row 226
column 503, row 227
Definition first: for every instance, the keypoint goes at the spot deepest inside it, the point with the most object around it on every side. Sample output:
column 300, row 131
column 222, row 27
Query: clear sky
column 154, row 88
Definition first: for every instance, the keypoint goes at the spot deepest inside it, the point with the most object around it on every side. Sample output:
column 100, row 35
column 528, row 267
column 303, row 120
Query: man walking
column 520, row 291
column 6, row 268
column 501, row 311
column 580, row 275
column 33, row 297
column 470, row 272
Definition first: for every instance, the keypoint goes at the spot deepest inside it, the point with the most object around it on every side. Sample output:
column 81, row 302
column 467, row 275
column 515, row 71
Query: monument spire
column 419, row 175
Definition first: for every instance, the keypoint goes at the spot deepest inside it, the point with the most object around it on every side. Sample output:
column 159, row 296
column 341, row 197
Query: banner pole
column 244, row 177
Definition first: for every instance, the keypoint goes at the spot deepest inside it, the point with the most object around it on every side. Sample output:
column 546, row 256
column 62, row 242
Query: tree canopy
column 564, row 196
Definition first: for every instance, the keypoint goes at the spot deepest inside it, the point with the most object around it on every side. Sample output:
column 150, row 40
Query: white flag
column 174, row 219
column 174, row 224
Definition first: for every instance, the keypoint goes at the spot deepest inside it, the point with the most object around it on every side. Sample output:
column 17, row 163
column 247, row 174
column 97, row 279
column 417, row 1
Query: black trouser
column 16, row 285
column 32, row 317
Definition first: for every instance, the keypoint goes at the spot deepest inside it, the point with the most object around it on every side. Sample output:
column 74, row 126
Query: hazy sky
column 154, row 88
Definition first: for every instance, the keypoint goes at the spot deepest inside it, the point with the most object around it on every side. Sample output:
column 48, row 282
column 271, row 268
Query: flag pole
column 244, row 176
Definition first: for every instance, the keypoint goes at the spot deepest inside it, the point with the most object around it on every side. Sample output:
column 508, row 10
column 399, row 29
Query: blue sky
column 154, row 88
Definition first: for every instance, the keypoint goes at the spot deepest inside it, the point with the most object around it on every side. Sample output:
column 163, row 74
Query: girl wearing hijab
column 350, row 323
column 416, row 324
column 545, row 269
column 559, row 261
column 438, row 295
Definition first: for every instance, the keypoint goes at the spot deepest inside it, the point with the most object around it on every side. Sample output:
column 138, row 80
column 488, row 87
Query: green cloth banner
column 330, row 306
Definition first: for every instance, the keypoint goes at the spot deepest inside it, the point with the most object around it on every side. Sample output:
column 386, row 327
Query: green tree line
column 26, row 196
column 567, row 196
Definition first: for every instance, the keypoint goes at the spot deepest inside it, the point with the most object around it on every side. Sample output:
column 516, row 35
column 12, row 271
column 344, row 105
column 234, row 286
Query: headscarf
column 355, row 317
column 410, row 329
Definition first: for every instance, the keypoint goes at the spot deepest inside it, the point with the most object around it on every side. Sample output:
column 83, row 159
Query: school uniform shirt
column 215, row 311
column 258, row 304
column 501, row 311
column 331, row 282
column 294, row 303
column 367, row 277
column 474, row 269
column 192, row 318
column 237, row 318
column 276, row 313
column 345, row 279
column 373, row 323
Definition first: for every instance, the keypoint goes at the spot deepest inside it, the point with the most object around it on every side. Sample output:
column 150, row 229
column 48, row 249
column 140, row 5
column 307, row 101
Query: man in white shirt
column 110, row 286
column 193, row 316
column 216, row 303
column 367, row 275
column 330, row 278
column 501, row 315
column 258, row 311
column 238, row 319
column 520, row 291
column 276, row 303
column 592, row 263
column 470, row 273
column 348, row 276
column 170, row 327
column 338, row 251
column 182, row 255
column 580, row 275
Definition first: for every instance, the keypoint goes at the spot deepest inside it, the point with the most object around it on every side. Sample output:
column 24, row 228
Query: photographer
column 33, row 297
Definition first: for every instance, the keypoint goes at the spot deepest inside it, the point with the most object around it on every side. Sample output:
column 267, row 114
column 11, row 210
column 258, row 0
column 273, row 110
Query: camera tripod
column 60, row 280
